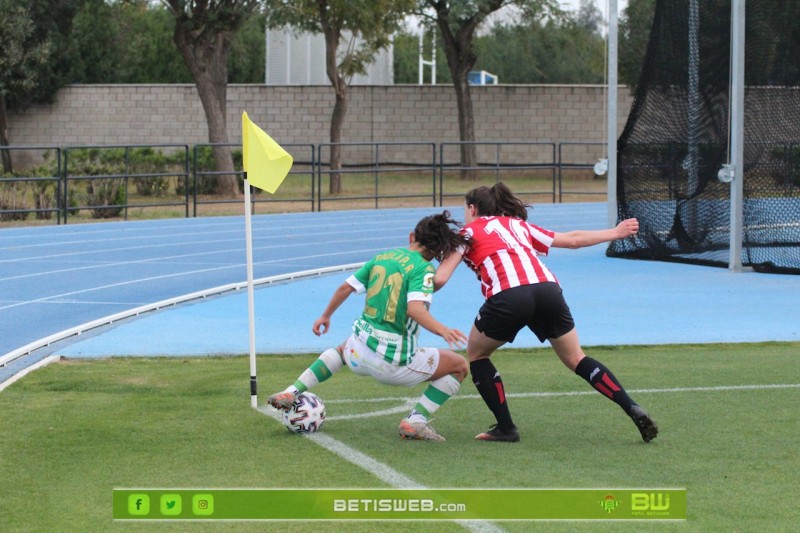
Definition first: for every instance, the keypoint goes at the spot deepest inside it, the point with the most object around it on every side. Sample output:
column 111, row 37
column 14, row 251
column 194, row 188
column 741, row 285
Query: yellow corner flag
column 265, row 161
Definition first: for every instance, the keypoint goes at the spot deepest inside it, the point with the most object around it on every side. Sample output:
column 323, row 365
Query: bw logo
column 649, row 501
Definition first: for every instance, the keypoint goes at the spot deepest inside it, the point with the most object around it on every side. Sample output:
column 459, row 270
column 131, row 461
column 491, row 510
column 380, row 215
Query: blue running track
column 56, row 278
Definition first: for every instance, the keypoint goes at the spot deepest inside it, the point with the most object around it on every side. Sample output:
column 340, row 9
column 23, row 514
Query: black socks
column 490, row 386
column 603, row 380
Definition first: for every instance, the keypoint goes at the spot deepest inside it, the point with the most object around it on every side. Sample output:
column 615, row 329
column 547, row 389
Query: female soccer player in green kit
column 399, row 288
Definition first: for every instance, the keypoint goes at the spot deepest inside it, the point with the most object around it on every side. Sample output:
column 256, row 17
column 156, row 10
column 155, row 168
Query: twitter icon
column 171, row 504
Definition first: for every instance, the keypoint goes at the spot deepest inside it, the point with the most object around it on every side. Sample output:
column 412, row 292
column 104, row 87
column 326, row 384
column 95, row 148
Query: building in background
column 299, row 59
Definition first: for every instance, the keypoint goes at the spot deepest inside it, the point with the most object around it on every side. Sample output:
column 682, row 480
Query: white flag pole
column 250, row 295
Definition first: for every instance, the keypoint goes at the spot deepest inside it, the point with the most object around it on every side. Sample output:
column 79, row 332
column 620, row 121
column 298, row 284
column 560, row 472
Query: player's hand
column 321, row 326
column 627, row 227
column 455, row 338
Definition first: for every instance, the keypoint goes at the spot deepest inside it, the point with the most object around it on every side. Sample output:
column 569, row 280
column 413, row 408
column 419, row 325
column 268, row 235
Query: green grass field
column 73, row 431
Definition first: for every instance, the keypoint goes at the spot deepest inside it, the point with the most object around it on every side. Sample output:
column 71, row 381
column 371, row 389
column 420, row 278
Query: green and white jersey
column 391, row 280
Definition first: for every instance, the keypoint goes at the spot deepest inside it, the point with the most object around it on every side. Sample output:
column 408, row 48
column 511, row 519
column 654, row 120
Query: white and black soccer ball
column 306, row 415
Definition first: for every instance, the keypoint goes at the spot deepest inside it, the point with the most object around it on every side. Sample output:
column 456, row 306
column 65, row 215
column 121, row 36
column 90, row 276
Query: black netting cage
column 677, row 138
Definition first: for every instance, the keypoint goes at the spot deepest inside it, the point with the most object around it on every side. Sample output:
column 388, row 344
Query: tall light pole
column 611, row 133
column 737, row 135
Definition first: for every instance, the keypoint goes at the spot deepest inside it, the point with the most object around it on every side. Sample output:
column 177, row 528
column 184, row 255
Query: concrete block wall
column 84, row 115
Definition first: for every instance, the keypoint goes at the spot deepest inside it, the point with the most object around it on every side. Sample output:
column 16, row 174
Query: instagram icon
column 202, row 504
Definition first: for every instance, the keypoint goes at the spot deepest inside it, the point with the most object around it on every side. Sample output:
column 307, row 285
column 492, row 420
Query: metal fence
column 522, row 164
column 298, row 187
column 37, row 190
column 572, row 156
column 110, row 173
column 176, row 180
column 376, row 172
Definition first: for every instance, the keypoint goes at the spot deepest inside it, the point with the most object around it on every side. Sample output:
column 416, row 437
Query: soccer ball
column 306, row 415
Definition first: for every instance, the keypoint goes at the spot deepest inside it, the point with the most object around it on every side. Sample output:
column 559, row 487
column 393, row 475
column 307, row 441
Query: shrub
column 147, row 160
column 204, row 161
column 13, row 198
column 105, row 195
column 18, row 193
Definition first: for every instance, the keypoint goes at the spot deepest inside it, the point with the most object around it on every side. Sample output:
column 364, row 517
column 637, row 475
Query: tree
column 204, row 32
column 634, row 34
column 405, row 52
column 94, row 53
column 246, row 64
column 589, row 16
column 33, row 65
column 365, row 25
column 53, row 23
column 458, row 22
column 147, row 49
column 553, row 52
column 565, row 50
column 131, row 42
column 22, row 58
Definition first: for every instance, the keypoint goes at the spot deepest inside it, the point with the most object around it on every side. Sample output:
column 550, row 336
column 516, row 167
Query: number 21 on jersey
column 380, row 300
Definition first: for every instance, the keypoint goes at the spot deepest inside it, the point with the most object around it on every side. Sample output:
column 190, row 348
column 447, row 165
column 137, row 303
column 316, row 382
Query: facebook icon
column 138, row 504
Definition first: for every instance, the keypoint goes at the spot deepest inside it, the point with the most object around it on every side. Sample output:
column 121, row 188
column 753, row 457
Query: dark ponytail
column 439, row 235
column 497, row 201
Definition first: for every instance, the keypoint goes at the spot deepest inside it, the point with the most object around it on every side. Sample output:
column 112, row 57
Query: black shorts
column 540, row 306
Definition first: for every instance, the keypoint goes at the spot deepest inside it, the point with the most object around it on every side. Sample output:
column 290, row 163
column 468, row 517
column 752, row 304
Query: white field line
column 407, row 402
column 383, row 472
column 398, row 480
column 167, row 228
column 172, row 260
column 155, row 278
column 341, row 229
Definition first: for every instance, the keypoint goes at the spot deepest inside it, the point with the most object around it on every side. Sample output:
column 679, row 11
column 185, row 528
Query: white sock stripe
column 308, row 378
column 332, row 360
column 447, row 384
column 428, row 404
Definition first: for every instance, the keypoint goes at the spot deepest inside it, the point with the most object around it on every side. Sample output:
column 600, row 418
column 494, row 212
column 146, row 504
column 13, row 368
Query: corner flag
column 266, row 165
column 265, row 162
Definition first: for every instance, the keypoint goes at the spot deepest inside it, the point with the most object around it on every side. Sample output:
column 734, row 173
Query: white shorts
column 365, row 362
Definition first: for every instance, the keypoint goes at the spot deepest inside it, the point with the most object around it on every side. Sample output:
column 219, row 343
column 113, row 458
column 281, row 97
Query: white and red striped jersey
column 504, row 252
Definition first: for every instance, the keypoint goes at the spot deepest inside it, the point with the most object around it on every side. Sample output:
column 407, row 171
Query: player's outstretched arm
column 445, row 270
column 583, row 238
column 418, row 311
column 323, row 323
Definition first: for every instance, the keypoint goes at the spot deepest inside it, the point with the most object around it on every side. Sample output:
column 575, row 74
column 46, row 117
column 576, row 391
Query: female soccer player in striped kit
column 399, row 288
column 521, row 291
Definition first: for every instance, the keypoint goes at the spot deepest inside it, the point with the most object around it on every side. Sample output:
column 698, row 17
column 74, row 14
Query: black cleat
column 498, row 435
column 646, row 426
